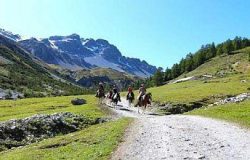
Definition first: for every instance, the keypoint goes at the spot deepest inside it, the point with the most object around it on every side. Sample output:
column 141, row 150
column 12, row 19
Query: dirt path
column 181, row 137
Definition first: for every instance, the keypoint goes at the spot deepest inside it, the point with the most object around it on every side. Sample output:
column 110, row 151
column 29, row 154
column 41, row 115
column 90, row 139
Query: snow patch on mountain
column 93, row 49
column 52, row 44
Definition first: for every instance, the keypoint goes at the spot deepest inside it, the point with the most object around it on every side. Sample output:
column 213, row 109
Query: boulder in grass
column 78, row 101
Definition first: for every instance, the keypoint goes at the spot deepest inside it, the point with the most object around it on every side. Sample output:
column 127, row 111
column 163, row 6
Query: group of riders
column 114, row 94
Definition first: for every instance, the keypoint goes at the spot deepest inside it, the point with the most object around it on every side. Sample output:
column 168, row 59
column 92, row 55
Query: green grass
column 198, row 90
column 238, row 113
column 27, row 107
column 96, row 142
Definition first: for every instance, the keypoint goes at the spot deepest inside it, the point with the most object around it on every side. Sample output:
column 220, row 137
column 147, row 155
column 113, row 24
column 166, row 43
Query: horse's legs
column 144, row 108
column 112, row 104
column 99, row 101
column 129, row 103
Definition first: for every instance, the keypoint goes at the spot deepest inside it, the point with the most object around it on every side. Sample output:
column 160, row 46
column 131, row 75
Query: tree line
column 194, row 60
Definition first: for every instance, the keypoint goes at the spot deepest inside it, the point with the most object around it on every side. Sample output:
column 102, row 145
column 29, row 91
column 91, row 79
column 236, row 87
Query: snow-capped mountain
column 10, row 35
column 73, row 52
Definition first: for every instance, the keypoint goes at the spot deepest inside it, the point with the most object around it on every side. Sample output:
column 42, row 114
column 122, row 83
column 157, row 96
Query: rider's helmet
column 100, row 84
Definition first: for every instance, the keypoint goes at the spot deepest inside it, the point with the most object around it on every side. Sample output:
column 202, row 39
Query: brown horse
column 144, row 102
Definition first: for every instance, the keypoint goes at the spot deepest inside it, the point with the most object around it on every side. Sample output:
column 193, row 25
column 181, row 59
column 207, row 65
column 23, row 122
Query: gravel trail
column 181, row 137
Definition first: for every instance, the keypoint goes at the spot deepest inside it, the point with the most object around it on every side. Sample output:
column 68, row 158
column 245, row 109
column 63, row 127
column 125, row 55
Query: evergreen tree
column 219, row 50
column 228, row 46
column 167, row 75
column 158, row 77
column 182, row 65
column 189, row 62
column 237, row 43
column 175, row 71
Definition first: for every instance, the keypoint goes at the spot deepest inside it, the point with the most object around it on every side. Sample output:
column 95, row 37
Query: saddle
column 115, row 96
column 100, row 93
column 141, row 97
column 130, row 96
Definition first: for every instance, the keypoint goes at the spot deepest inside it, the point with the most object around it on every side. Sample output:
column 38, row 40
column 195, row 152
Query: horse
column 115, row 99
column 101, row 95
column 130, row 98
column 143, row 102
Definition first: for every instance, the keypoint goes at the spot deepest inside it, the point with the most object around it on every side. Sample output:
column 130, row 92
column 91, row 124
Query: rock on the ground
column 14, row 133
column 10, row 94
column 235, row 99
column 78, row 101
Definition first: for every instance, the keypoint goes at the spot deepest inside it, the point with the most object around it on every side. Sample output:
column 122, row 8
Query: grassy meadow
column 27, row 107
column 95, row 142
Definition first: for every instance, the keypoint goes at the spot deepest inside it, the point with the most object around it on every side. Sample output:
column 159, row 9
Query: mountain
column 20, row 72
column 10, row 35
column 76, row 53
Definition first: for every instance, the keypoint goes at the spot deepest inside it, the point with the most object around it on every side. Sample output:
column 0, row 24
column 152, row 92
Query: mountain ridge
column 76, row 53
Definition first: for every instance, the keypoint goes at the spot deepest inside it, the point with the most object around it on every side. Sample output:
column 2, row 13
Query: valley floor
column 182, row 137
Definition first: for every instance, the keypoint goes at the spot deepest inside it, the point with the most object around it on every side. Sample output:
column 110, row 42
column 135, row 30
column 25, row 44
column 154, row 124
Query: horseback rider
column 100, row 92
column 130, row 93
column 116, row 93
column 142, row 92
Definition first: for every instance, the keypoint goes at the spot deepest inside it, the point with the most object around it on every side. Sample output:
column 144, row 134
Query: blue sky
column 158, row 31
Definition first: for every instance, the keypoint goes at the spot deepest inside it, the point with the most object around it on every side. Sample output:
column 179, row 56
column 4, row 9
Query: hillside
column 229, row 75
column 224, row 64
column 91, row 77
column 20, row 72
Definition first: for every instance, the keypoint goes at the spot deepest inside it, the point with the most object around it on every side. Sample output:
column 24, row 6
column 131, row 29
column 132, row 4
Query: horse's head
column 149, row 95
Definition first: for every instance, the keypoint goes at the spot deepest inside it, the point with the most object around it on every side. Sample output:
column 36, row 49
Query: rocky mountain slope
column 21, row 72
column 74, row 53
